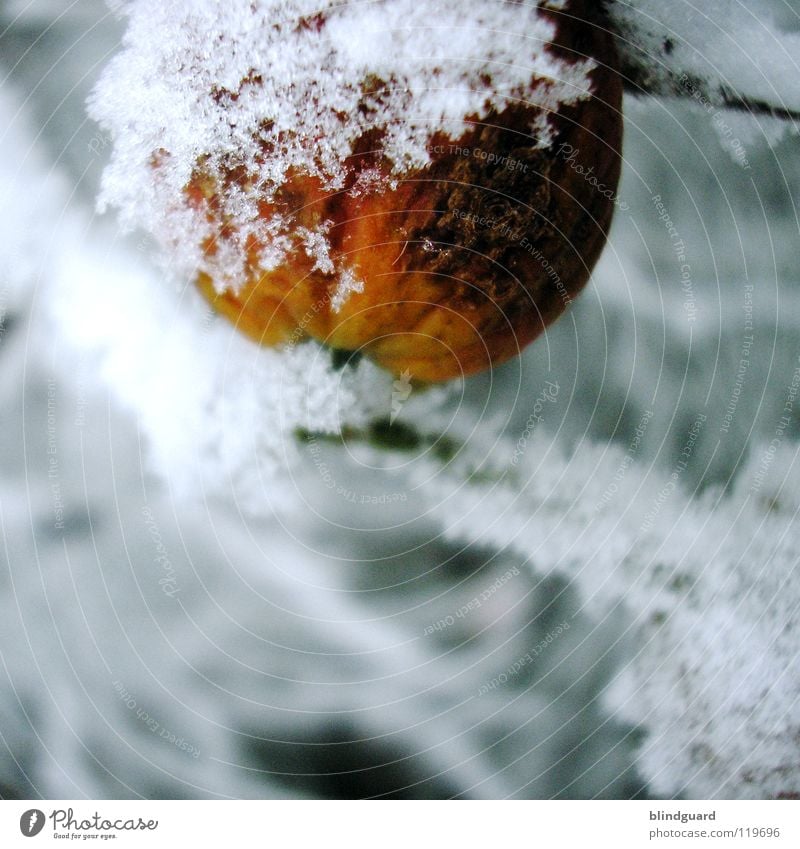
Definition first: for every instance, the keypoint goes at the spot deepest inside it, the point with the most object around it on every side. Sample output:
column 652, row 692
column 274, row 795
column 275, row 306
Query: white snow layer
column 282, row 86
column 218, row 411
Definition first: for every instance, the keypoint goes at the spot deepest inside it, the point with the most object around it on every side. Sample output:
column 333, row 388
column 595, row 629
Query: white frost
column 710, row 594
column 348, row 284
column 273, row 87
column 220, row 413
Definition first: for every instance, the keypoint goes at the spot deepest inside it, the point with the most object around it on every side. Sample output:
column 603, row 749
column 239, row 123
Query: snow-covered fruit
column 437, row 269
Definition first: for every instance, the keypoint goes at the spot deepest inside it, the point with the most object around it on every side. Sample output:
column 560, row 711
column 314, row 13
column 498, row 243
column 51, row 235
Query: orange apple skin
column 463, row 262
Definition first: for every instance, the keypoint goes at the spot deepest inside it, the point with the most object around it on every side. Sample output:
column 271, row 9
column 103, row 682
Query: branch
column 724, row 54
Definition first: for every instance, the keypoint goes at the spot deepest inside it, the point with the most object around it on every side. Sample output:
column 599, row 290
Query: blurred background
column 167, row 647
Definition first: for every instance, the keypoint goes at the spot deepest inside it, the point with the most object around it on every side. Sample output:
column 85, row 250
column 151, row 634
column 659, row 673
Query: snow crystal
column 288, row 86
column 348, row 284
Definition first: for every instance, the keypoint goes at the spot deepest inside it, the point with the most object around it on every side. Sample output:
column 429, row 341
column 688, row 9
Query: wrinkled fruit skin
column 466, row 261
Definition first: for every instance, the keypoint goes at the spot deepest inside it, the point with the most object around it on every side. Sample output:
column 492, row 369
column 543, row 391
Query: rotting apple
column 447, row 269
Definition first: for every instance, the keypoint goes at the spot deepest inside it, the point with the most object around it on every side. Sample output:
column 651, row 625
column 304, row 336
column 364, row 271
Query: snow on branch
column 724, row 53
column 709, row 587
